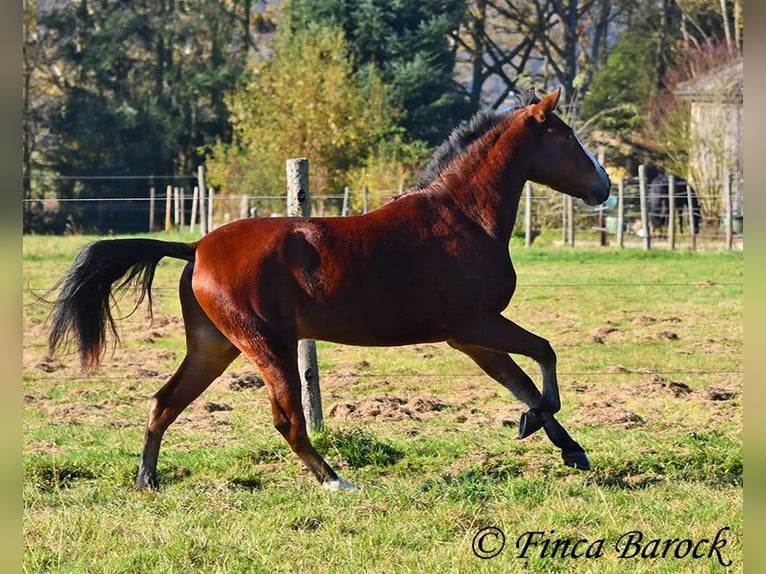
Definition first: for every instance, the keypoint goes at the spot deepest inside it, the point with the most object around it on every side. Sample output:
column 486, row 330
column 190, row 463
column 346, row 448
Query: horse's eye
column 570, row 137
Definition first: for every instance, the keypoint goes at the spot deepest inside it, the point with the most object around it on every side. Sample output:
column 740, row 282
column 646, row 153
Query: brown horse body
column 432, row 265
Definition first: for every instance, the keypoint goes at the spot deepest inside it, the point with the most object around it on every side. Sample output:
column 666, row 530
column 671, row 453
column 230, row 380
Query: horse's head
column 561, row 161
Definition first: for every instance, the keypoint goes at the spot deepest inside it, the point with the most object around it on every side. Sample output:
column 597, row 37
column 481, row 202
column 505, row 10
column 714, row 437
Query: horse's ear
column 546, row 106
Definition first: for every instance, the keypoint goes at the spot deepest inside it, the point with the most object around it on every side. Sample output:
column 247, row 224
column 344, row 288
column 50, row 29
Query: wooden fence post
column 244, row 207
column 621, row 212
column 672, row 210
column 644, row 210
column 528, row 216
column 570, row 219
column 168, row 207
column 202, row 210
column 346, row 198
column 564, row 224
column 690, row 210
column 602, row 208
column 176, row 207
column 365, row 199
column 152, row 194
column 182, row 198
column 195, row 202
column 729, row 209
column 210, row 195
column 298, row 204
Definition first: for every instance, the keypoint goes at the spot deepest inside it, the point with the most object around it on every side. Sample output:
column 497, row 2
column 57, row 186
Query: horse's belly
column 379, row 323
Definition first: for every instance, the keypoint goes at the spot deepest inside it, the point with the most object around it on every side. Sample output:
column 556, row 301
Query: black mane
column 458, row 141
column 463, row 136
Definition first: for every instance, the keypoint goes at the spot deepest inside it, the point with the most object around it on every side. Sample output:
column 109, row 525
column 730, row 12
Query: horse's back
column 376, row 279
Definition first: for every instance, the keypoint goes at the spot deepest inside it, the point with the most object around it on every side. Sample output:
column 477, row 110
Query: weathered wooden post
column 672, row 210
column 528, row 216
column 346, row 198
column 298, row 204
column 210, row 195
column 152, row 194
column 182, row 209
column 176, row 208
column 570, row 219
column 168, row 207
column 195, row 202
column 727, row 195
column 621, row 212
column 690, row 210
column 602, row 208
column 644, row 211
column 365, row 199
column 202, row 188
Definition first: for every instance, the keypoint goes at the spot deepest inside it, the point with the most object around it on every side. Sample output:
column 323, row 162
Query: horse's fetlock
column 283, row 426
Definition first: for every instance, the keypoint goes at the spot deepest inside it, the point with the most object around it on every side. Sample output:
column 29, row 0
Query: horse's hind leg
column 278, row 363
column 208, row 353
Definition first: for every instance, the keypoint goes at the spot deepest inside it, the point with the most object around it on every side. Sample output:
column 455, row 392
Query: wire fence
column 623, row 220
column 147, row 206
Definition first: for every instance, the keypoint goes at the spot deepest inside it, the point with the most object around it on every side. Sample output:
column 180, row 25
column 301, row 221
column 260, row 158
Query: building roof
column 724, row 84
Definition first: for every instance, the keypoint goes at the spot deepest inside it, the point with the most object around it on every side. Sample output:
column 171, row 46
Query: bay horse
column 431, row 265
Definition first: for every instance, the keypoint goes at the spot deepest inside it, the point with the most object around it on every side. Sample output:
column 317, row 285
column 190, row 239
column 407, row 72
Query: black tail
column 83, row 307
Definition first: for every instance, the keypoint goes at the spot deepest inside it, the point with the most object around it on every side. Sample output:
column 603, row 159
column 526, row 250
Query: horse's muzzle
column 597, row 196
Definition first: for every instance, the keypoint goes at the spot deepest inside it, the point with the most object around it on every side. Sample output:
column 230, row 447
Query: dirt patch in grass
column 604, row 413
column 389, row 408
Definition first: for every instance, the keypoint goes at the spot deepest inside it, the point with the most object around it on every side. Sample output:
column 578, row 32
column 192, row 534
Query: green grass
column 649, row 348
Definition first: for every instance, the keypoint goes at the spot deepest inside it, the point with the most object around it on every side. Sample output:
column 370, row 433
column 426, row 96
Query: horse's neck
column 487, row 185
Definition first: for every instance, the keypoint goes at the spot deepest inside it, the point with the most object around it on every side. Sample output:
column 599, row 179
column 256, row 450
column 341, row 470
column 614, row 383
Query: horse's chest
column 484, row 279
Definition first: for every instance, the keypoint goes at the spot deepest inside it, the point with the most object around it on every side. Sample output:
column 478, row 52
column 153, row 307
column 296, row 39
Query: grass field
column 649, row 349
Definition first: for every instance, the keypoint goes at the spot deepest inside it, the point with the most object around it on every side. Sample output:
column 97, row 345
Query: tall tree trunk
column 478, row 22
column 726, row 29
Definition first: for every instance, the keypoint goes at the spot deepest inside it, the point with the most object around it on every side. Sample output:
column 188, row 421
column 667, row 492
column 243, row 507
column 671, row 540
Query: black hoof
column 576, row 459
column 530, row 422
column 146, row 480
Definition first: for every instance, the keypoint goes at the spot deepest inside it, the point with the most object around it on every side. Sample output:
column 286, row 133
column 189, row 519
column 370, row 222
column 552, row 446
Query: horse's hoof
column 576, row 459
column 147, row 480
column 530, row 422
column 339, row 484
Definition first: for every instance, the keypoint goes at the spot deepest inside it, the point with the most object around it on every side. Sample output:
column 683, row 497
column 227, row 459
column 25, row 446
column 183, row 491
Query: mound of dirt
column 242, row 381
column 210, row 407
column 720, row 394
column 388, row 407
column 603, row 413
column 50, row 365
column 658, row 384
column 599, row 335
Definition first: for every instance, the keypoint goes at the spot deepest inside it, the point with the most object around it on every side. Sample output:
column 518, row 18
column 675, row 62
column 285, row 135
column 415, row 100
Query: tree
column 630, row 102
column 127, row 89
column 548, row 43
column 304, row 101
column 622, row 87
column 409, row 44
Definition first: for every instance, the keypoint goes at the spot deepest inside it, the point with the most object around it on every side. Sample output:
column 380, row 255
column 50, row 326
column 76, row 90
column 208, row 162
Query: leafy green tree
column 305, row 101
column 410, row 44
column 624, row 85
column 129, row 89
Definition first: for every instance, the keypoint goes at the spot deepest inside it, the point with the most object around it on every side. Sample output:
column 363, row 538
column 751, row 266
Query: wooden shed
column 716, row 102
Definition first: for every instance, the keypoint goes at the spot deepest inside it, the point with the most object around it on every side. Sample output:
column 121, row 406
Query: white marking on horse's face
column 339, row 484
column 599, row 168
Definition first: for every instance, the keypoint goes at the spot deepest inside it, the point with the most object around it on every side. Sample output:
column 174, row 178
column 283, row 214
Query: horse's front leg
column 500, row 334
column 488, row 343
